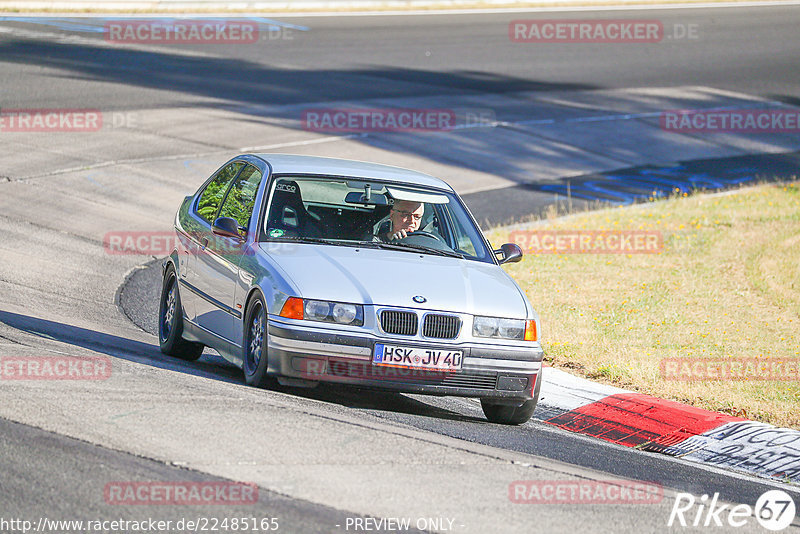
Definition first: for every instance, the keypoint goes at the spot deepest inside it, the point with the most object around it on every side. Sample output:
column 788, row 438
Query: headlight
column 484, row 327
column 317, row 310
column 511, row 329
column 323, row 311
column 500, row 328
column 344, row 313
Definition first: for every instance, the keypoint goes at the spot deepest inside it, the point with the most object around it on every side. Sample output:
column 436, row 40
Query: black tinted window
column 212, row 195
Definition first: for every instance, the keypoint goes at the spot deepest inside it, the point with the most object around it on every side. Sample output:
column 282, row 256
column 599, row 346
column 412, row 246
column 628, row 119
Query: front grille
column 402, row 323
column 441, row 326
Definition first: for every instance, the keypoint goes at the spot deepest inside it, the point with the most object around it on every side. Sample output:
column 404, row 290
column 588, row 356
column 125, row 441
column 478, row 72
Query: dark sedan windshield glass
column 342, row 211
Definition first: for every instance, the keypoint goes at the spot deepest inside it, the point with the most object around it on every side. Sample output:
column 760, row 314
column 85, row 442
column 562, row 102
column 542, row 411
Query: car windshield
column 350, row 212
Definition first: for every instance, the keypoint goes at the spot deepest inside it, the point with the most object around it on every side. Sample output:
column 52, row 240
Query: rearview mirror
column 227, row 227
column 509, row 253
column 375, row 199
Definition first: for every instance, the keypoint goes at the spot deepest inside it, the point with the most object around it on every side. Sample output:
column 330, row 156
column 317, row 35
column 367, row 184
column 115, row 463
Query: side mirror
column 227, row 227
column 511, row 253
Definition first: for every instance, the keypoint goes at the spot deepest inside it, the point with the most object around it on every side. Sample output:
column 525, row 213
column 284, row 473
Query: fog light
column 512, row 383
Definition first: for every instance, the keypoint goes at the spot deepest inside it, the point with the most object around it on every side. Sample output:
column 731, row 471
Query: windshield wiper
column 300, row 239
column 417, row 248
column 370, row 244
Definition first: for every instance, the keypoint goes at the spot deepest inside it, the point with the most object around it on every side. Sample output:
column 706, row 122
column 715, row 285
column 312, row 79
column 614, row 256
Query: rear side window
column 212, row 195
column 241, row 198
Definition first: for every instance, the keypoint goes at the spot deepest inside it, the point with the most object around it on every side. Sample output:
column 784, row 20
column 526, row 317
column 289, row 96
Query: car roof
column 297, row 164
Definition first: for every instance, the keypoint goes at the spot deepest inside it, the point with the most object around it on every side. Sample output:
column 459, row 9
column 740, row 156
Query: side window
column 212, row 195
column 464, row 240
column 242, row 196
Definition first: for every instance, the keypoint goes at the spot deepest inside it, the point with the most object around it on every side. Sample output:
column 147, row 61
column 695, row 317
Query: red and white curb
column 652, row 424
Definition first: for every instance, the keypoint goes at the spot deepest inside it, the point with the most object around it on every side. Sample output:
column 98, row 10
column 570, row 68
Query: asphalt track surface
column 748, row 50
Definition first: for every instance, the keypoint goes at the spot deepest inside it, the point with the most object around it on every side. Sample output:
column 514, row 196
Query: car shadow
column 209, row 366
column 360, row 398
column 214, row 367
column 288, row 90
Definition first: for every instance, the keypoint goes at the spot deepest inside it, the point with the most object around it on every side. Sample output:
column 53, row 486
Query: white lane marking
column 75, row 23
column 61, row 38
column 331, row 139
column 566, row 392
column 336, row 138
column 72, row 39
column 527, row 9
column 112, row 163
column 444, row 11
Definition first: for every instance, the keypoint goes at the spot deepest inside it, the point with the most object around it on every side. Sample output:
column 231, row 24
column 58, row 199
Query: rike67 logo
column 774, row 510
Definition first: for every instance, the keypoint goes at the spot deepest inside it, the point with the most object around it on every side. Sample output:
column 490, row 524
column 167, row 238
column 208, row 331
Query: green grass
column 725, row 285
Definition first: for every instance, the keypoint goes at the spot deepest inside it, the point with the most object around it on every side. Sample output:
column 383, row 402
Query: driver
column 405, row 218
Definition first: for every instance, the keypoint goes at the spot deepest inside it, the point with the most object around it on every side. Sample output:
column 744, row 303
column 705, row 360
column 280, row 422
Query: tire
column 170, row 322
column 512, row 415
column 255, row 359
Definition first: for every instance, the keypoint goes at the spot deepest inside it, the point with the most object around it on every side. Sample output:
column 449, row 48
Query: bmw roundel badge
column 419, row 299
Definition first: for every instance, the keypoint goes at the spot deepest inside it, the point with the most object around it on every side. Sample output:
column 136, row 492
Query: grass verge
column 725, row 285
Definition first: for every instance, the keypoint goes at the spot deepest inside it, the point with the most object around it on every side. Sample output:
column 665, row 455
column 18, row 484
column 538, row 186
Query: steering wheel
column 423, row 233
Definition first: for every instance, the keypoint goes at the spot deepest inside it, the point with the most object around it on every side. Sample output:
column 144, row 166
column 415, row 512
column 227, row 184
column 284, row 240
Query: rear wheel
column 255, row 344
column 170, row 322
column 512, row 415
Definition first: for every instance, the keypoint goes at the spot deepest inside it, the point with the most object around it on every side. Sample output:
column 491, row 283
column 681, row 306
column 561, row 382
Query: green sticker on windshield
column 276, row 232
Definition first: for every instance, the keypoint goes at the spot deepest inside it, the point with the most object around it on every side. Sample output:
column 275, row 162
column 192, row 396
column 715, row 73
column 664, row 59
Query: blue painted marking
column 92, row 180
column 626, row 188
column 95, row 182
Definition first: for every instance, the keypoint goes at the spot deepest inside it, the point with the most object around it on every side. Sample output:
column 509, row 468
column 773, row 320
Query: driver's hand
column 401, row 234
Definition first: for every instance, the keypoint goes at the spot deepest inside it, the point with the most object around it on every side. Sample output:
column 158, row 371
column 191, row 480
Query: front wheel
column 512, row 415
column 255, row 343
column 170, row 322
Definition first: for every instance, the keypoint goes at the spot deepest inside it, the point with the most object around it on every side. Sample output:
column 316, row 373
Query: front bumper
column 497, row 371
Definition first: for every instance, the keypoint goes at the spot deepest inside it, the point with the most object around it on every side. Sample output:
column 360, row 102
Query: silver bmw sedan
column 304, row 269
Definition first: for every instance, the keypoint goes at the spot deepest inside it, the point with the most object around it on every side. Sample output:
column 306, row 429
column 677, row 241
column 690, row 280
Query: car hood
column 393, row 278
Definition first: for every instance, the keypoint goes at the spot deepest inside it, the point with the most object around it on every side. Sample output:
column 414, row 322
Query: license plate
column 417, row 358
